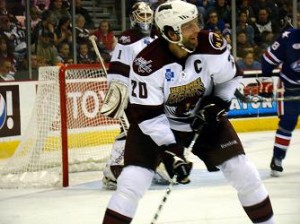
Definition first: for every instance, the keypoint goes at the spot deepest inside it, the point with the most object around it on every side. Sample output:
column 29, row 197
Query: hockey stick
column 123, row 119
column 170, row 186
column 247, row 99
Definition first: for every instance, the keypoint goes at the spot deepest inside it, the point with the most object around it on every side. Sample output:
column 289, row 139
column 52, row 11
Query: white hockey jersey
column 129, row 45
column 165, row 91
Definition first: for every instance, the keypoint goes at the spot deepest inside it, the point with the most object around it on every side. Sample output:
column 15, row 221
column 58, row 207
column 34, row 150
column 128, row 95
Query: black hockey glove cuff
column 175, row 163
column 210, row 114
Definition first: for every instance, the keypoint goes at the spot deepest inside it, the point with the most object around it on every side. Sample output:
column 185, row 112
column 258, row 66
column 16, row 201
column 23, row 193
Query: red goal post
column 66, row 132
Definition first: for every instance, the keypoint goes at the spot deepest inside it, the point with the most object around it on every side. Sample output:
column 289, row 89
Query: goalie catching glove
column 175, row 163
column 115, row 100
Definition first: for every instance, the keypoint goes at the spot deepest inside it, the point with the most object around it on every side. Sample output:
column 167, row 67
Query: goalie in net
column 130, row 43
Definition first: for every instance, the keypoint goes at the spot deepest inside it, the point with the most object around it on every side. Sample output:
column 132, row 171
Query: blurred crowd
column 258, row 22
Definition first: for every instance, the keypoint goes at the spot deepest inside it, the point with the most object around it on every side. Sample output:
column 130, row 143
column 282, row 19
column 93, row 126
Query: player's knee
column 134, row 181
column 288, row 123
column 242, row 175
column 132, row 185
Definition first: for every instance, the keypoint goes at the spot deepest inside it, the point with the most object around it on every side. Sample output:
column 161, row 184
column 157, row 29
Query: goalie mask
column 172, row 15
column 141, row 17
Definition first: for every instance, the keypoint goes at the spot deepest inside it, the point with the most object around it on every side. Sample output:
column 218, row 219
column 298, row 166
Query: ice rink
column 208, row 199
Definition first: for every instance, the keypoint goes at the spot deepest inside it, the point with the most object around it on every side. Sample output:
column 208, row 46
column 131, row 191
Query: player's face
column 190, row 32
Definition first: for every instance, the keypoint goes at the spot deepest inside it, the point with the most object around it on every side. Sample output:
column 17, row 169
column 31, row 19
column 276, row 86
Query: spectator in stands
column 223, row 10
column 243, row 45
column 45, row 48
column 63, row 31
column 56, row 6
column 41, row 5
column 214, row 23
column 64, row 53
column 244, row 5
column 243, row 26
column 82, row 34
column 35, row 15
column 4, row 11
column 270, row 6
column 106, row 39
column 89, row 23
column 5, row 71
column 247, row 62
column 217, row 25
column 5, row 54
column 36, row 62
column 46, row 24
column 263, row 23
column 202, row 6
column 85, row 55
column 15, row 7
column 15, row 38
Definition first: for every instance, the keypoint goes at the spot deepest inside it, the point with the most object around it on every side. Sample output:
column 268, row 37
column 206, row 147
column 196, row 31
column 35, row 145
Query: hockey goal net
column 66, row 132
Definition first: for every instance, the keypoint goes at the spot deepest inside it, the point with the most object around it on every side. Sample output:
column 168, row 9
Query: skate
column 276, row 167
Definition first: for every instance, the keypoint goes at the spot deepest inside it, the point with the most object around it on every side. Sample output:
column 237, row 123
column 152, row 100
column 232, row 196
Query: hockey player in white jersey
column 130, row 43
column 181, row 83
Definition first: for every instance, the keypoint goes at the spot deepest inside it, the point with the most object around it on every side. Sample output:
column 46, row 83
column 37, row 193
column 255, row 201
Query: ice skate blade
column 275, row 173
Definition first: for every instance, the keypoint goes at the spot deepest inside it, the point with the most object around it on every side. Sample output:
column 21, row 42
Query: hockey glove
column 265, row 88
column 209, row 114
column 175, row 163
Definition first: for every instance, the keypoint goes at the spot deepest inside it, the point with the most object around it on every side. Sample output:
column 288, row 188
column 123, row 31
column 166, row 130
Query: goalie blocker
column 115, row 100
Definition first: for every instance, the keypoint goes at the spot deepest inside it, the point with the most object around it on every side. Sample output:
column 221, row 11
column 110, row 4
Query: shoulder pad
column 128, row 37
column 210, row 43
column 216, row 41
column 150, row 59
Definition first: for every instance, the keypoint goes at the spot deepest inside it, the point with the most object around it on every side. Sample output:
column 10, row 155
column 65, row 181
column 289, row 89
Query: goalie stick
column 123, row 119
column 170, row 186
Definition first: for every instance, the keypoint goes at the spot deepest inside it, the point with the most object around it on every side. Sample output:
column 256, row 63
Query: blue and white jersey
column 285, row 51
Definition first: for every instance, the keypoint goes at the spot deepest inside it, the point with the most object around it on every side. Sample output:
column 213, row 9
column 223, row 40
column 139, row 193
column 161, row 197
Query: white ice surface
column 208, row 199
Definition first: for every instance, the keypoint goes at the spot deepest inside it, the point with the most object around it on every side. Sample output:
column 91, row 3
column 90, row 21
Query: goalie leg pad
column 115, row 100
column 133, row 182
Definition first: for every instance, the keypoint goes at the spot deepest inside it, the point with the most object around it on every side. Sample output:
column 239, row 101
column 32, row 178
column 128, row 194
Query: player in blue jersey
column 285, row 51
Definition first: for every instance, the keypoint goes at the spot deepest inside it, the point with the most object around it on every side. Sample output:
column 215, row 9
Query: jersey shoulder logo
column 296, row 46
column 124, row 39
column 143, row 66
column 296, row 66
column 169, row 75
column 216, row 41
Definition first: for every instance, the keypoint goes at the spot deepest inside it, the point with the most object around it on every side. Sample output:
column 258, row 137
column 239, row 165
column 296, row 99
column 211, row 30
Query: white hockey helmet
column 173, row 14
column 141, row 17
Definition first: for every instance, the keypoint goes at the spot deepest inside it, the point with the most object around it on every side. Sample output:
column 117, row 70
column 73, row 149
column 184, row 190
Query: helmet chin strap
column 179, row 43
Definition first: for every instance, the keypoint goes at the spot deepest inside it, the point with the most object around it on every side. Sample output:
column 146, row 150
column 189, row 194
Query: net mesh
column 37, row 162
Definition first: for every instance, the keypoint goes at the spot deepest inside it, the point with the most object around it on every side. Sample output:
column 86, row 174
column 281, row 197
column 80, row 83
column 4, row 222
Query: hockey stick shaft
column 252, row 99
column 123, row 119
column 170, row 186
